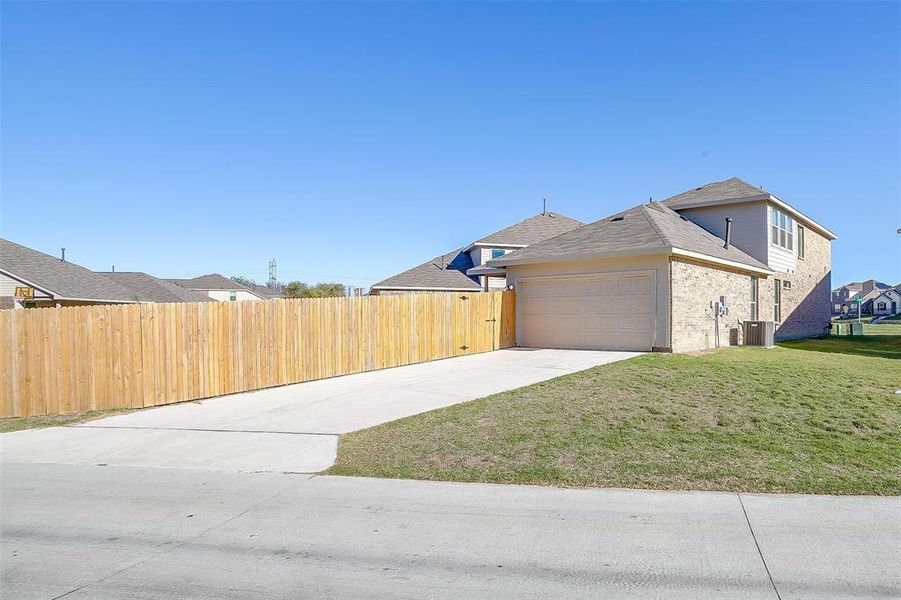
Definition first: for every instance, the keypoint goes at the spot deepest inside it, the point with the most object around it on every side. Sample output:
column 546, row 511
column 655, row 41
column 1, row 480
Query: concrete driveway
column 133, row 532
column 292, row 428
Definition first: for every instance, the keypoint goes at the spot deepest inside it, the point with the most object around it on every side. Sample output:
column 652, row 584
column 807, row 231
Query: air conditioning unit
column 758, row 333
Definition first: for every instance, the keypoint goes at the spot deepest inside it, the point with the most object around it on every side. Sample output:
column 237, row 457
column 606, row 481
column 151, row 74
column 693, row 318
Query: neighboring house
column 653, row 277
column 219, row 287
column 29, row 278
column 266, row 292
column 148, row 288
column 886, row 302
column 845, row 300
column 464, row 270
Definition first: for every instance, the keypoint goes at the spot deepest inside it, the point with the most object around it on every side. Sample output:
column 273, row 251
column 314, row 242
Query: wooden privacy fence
column 63, row 360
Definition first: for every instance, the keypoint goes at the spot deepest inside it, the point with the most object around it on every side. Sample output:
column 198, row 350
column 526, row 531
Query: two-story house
column 464, row 269
column 676, row 275
column 859, row 296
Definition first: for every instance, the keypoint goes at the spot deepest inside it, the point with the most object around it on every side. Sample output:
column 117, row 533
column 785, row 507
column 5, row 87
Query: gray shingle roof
column 730, row 189
column 644, row 229
column 213, row 281
column 532, row 230
column 148, row 288
column 449, row 270
column 442, row 272
column 266, row 292
column 65, row 280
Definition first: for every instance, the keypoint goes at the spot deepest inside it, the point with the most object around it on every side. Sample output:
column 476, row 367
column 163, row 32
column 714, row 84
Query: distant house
column 845, row 299
column 887, row 302
column 267, row 292
column 32, row 279
column 148, row 288
column 464, row 270
column 221, row 288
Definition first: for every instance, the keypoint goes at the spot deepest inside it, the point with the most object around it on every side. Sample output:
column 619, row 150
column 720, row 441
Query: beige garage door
column 597, row 312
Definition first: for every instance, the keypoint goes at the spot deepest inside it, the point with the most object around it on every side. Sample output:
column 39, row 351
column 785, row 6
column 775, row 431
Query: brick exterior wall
column 694, row 285
column 807, row 306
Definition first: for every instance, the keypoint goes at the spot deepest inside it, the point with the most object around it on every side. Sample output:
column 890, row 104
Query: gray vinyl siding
column 781, row 259
column 749, row 225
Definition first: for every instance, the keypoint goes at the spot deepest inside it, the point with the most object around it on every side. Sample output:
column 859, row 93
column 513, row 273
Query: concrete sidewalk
column 292, row 428
column 126, row 532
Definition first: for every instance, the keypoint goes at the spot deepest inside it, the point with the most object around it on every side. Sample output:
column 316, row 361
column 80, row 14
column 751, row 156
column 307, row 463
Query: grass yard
column 818, row 416
column 19, row 423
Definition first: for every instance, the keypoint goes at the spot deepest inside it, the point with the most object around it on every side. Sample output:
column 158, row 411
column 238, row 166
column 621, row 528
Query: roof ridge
column 645, row 210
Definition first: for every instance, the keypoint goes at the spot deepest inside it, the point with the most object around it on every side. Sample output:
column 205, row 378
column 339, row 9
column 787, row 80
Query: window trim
column 501, row 250
column 801, row 240
column 881, row 306
column 782, row 228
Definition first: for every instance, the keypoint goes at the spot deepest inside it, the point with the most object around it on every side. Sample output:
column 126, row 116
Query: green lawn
column 884, row 346
column 815, row 416
column 20, row 423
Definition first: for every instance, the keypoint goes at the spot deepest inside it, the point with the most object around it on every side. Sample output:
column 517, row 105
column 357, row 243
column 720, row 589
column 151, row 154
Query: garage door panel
column 614, row 312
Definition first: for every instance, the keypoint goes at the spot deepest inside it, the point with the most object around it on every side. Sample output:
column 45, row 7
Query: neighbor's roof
column 732, row 191
column 447, row 272
column 532, row 230
column 266, row 291
column 63, row 280
column 148, row 288
column 644, row 229
column 213, row 281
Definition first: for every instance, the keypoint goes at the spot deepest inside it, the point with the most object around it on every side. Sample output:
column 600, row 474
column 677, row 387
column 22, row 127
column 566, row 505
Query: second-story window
column 232, row 296
column 496, row 253
column 800, row 242
column 782, row 229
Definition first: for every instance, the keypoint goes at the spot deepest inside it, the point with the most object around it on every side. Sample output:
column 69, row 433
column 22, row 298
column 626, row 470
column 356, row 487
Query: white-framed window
column 232, row 296
column 753, row 298
column 777, row 301
column 880, row 305
column 497, row 253
column 838, row 307
column 800, row 241
column 782, row 229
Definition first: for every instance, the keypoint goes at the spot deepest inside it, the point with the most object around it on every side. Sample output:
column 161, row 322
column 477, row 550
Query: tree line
column 299, row 289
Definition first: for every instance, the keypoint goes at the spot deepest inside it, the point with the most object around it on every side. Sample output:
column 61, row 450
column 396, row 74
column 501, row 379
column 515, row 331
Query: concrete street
column 78, row 531
column 292, row 428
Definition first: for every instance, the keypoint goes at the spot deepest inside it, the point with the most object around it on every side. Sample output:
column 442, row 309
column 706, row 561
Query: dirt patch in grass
column 19, row 423
column 743, row 419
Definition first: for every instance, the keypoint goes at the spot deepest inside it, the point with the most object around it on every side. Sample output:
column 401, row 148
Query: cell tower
column 273, row 278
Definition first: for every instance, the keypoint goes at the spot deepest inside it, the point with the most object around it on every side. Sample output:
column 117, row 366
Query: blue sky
column 352, row 141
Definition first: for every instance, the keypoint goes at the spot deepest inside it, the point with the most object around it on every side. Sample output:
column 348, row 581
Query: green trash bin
column 856, row 328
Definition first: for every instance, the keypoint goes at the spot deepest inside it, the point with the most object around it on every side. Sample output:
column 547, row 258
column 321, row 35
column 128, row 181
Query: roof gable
column 447, row 271
column 730, row 190
column 735, row 190
column 64, row 280
column 643, row 229
column 531, row 230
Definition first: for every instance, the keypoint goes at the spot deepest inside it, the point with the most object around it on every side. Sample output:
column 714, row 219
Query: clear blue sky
column 352, row 141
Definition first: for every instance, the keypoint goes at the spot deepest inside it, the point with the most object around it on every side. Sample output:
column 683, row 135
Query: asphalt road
column 87, row 531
